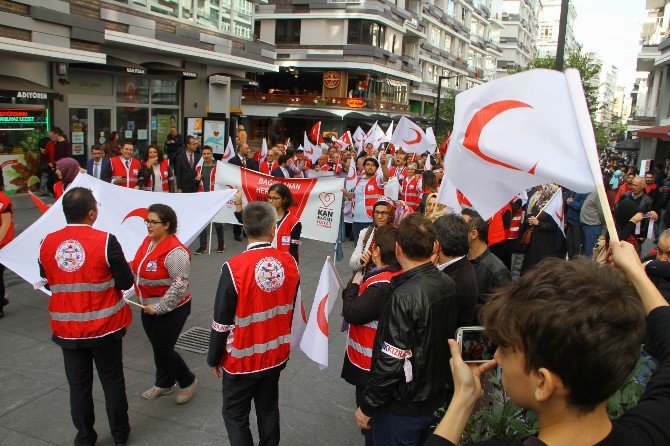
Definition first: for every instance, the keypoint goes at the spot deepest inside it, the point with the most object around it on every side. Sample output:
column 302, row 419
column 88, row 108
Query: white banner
column 318, row 200
column 121, row 211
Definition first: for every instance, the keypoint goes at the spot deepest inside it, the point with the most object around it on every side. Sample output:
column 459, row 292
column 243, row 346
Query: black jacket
column 465, row 277
column 251, row 163
column 184, row 173
column 419, row 316
column 360, row 310
column 492, row 274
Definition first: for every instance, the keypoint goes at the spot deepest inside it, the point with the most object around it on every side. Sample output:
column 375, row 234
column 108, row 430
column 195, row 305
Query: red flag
column 315, row 134
column 42, row 206
column 443, row 147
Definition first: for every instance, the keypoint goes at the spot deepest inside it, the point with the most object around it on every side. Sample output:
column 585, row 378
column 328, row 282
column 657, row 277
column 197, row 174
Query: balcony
column 316, row 101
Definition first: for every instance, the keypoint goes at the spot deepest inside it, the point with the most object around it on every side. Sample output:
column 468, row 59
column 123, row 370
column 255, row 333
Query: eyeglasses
column 273, row 198
column 152, row 223
column 382, row 213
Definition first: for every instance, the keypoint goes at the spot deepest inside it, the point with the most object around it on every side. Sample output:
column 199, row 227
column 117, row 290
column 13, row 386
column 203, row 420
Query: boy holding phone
column 565, row 347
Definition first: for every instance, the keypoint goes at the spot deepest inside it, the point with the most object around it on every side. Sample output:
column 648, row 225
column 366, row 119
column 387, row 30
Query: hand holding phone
column 475, row 346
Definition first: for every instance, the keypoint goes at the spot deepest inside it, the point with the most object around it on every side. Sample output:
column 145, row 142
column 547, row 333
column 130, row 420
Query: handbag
column 526, row 236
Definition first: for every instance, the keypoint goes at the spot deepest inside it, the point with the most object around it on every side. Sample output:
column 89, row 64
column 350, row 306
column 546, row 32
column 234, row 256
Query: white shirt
column 445, row 264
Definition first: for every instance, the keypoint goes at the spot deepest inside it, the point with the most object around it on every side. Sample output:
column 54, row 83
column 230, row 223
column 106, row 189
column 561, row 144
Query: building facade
column 548, row 24
column 351, row 62
column 518, row 38
column 133, row 66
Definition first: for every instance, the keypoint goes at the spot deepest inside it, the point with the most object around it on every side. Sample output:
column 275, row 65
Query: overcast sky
column 611, row 28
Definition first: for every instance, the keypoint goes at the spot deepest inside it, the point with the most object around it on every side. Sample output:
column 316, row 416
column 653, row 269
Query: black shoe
column 200, row 250
column 238, row 237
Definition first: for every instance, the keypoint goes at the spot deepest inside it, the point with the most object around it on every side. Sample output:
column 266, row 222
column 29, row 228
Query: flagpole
column 589, row 143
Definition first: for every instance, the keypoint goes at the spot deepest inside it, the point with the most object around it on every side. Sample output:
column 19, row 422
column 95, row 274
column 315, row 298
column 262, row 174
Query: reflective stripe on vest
column 82, row 287
column 359, row 348
column 263, row 315
column 372, row 197
column 260, row 348
column 157, row 282
column 88, row 316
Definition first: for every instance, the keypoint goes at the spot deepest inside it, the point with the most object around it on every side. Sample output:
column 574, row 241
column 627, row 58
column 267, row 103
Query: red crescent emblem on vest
column 480, row 119
column 321, row 318
column 143, row 213
column 416, row 140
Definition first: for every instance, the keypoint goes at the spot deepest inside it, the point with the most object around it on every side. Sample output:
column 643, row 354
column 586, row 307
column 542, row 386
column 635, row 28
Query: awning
column 309, row 113
column 14, row 87
column 660, row 132
column 359, row 116
column 628, row 145
column 113, row 65
column 162, row 69
column 234, row 78
column 381, row 118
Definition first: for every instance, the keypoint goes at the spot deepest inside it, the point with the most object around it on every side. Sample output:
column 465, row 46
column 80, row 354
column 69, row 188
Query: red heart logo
column 327, row 199
column 216, row 133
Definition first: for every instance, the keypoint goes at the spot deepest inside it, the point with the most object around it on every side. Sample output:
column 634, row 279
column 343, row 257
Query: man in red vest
column 125, row 168
column 86, row 271
column 251, row 332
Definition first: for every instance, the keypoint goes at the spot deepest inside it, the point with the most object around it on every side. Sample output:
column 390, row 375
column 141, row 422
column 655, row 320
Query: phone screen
column 476, row 346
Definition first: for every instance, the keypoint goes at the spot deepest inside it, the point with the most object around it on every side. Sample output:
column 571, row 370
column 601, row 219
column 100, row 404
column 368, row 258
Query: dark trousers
column 574, row 237
column 79, row 371
column 367, row 433
column 163, row 331
column 400, row 430
column 204, row 235
column 238, row 391
column 357, row 228
column 2, row 287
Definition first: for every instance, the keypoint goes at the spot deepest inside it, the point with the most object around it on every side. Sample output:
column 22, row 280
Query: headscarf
column 614, row 182
column 542, row 196
column 69, row 168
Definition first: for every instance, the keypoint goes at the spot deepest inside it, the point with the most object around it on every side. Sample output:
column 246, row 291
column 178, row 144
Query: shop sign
column 77, row 137
column 331, row 79
column 31, row 95
column 132, row 70
column 189, row 74
column 355, row 102
column 18, row 116
column 77, row 149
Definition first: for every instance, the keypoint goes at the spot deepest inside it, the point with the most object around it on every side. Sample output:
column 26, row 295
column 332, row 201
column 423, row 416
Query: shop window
column 164, row 92
column 162, row 120
column 133, row 126
column 132, row 90
column 287, row 31
column 366, row 32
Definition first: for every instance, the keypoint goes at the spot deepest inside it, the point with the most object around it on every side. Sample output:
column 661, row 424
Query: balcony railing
column 316, row 101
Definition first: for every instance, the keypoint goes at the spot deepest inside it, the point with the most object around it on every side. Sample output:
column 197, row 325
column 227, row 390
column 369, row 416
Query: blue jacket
column 573, row 208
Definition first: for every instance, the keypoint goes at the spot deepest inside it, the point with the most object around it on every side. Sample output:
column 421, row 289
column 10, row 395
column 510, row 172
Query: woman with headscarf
column 544, row 229
column 613, row 186
column 66, row 171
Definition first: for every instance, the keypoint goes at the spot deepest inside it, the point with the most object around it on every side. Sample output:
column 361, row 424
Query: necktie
column 127, row 164
column 190, row 159
column 96, row 171
column 244, row 162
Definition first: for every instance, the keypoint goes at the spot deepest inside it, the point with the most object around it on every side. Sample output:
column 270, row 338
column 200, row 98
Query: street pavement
column 316, row 406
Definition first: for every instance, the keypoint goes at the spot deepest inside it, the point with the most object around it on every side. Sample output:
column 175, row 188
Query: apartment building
column 548, row 24
column 606, row 83
column 349, row 62
column 137, row 67
column 518, row 38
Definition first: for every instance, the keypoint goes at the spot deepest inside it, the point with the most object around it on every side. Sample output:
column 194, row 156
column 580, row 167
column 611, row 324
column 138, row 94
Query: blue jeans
column 591, row 234
column 400, row 430
column 358, row 227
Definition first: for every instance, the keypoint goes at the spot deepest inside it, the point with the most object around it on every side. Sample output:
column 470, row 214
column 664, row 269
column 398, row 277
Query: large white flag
column 375, row 136
column 448, row 196
column 430, row 138
column 410, row 137
column 313, row 152
column 359, row 138
column 514, row 133
column 121, row 211
column 352, row 178
column 389, row 133
column 554, row 208
column 315, row 339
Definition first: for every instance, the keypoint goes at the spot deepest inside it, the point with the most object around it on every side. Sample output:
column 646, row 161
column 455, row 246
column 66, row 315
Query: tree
column 588, row 68
column 602, row 136
column 446, row 117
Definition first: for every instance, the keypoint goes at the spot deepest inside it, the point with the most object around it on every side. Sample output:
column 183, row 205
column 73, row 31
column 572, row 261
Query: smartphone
column 475, row 346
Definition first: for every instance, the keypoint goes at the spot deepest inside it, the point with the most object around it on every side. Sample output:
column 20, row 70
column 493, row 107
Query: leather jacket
column 410, row 358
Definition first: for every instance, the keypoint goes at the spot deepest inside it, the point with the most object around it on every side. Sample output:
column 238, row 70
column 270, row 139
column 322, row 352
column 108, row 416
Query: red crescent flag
column 228, row 151
column 42, row 206
column 143, row 213
column 315, row 134
column 443, row 147
column 555, row 209
column 299, row 321
column 315, row 339
column 411, row 138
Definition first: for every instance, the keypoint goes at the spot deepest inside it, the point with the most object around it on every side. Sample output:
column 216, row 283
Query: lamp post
column 439, row 94
column 562, row 29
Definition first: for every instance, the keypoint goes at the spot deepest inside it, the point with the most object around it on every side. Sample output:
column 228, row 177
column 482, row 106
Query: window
column 393, row 43
column 167, row 7
column 435, row 35
column 257, row 29
column 451, row 7
column 366, row 32
column 464, row 14
column 545, row 32
column 287, row 31
column 207, row 13
column 447, row 42
column 132, row 89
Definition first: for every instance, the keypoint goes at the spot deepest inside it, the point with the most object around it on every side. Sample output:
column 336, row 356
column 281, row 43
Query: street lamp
column 439, row 94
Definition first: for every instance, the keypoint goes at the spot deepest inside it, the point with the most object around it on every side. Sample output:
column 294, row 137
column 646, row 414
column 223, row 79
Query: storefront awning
column 660, row 132
column 162, row 69
column 380, row 118
column 238, row 79
column 113, row 65
column 14, row 87
column 359, row 116
column 309, row 113
column 628, row 145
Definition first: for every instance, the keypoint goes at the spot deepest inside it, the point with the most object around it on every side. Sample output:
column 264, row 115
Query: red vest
column 131, row 173
column 267, row 168
column 283, row 235
column 411, row 192
column 398, row 172
column 515, row 225
column 266, row 280
column 325, row 168
column 372, row 193
column 84, row 301
column 152, row 279
column 497, row 231
column 337, row 168
column 212, row 178
column 165, row 176
column 361, row 338
column 6, row 202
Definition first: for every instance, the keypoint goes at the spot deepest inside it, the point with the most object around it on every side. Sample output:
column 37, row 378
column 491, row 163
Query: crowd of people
column 560, row 308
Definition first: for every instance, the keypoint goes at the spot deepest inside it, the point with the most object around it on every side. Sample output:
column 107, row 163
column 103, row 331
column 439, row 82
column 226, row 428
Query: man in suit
column 173, row 144
column 282, row 170
column 184, row 168
column 242, row 159
column 99, row 166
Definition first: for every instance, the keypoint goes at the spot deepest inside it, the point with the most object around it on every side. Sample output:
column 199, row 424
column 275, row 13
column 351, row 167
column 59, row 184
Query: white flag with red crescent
column 430, row 137
column 264, row 150
column 375, row 136
column 555, row 209
column 311, row 151
column 229, row 151
column 121, row 212
column 410, row 137
column 345, row 141
column 352, row 178
column 517, row 132
column 389, row 133
column 315, row 339
column 448, row 196
column 299, row 322
column 359, row 138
